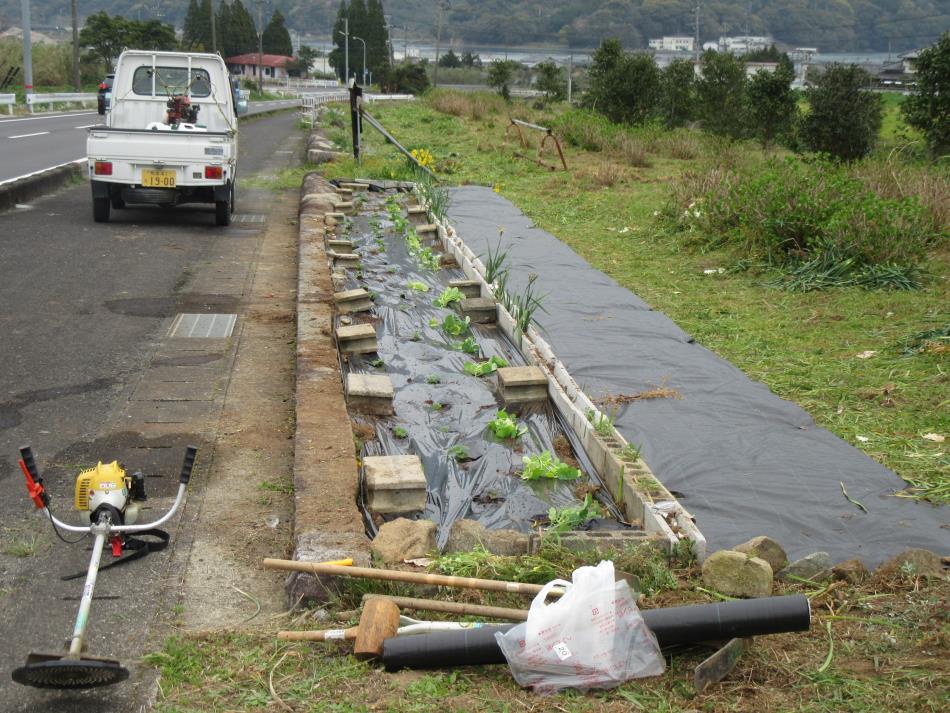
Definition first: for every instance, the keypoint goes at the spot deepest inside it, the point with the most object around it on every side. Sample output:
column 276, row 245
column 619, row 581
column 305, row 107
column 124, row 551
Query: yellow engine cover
column 107, row 483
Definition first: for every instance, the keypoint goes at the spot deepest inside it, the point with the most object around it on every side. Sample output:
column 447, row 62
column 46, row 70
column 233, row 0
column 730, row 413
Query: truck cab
column 170, row 136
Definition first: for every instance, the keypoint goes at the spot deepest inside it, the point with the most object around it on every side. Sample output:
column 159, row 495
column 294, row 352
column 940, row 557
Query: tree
column 105, row 37
column 928, row 108
column 500, row 74
column 623, row 87
column 189, row 38
column 276, row 38
column 772, row 107
column 337, row 57
column 404, row 78
column 550, row 80
column 470, row 60
column 720, row 93
column 376, row 35
column 678, row 93
column 450, row 60
column 241, row 31
column 844, row 117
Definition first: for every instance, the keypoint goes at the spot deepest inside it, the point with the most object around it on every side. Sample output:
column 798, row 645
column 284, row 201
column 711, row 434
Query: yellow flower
column 423, row 157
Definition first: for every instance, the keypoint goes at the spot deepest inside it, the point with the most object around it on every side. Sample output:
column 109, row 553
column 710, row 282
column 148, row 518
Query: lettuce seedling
column 448, row 296
column 486, row 367
column 455, row 326
column 505, row 425
column 546, row 465
column 564, row 519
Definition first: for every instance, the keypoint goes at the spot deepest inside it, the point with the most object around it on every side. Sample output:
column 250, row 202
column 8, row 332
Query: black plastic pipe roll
column 675, row 626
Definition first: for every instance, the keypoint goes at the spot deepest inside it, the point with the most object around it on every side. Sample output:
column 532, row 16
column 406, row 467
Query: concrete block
column 600, row 540
column 447, row 260
column 344, row 260
column 345, row 193
column 417, row 215
column 335, row 215
column 394, row 484
column 522, row 384
column 356, row 339
column 357, row 300
column 482, row 310
column 370, row 393
column 355, row 187
column 346, row 207
column 469, row 288
column 341, row 247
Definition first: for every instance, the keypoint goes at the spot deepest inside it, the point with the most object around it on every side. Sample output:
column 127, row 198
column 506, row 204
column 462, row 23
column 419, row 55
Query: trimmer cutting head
column 59, row 672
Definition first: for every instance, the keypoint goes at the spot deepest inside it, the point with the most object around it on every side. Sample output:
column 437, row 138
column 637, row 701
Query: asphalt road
column 35, row 143
column 85, row 312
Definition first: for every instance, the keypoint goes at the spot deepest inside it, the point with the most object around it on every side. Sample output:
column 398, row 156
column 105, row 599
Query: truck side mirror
column 241, row 107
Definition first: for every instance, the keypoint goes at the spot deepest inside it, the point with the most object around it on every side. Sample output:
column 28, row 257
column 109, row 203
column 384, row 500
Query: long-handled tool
column 111, row 498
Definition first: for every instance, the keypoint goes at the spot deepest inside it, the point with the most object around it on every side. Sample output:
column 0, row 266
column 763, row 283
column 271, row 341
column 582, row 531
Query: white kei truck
column 170, row 136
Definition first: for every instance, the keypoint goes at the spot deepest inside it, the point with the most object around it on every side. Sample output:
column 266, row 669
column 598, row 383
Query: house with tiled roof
column 246, row 66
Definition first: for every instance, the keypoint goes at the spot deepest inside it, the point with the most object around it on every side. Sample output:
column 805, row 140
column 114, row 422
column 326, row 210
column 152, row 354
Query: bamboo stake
column 391, row 575
column 454, row 607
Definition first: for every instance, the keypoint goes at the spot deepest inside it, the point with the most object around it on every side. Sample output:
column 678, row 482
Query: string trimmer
column 112, row 500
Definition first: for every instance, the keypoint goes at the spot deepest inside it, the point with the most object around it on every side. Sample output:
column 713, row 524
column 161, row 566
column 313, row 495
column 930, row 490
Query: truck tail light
column 214, row 172
column 103, row 168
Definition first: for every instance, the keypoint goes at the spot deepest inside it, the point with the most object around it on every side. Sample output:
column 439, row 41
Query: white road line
column 34, row 173
column 26, row 136
column 85, row 126
column 47, row 116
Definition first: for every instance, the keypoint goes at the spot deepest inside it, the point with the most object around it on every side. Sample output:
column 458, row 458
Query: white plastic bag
column 592, row 637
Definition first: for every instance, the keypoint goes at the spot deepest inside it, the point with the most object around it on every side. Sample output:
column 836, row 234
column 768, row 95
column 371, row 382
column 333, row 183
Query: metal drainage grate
column 203, row 326
column 248, row 218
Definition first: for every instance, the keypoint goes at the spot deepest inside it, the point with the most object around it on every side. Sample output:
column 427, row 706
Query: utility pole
column 364, row 56
column 440, row 17
column 27, row 48
column 76, row 79
column 697, row 47
column 214, row 31
column 260, row 47
column 346, row 50
column 570, row 73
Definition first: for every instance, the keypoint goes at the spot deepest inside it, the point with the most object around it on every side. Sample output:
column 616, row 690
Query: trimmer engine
column 107, row 488
column 181, row 111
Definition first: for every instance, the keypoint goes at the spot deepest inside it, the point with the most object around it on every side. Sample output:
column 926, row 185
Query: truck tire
column 223, row 209
column 117, row 202
column 100, row 209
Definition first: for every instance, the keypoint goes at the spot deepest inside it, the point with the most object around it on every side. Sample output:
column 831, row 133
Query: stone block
column 340, row 247
column 356, row 339
column 469, row 288
column 394, row 484
column 522, row 384
column 355, row 187
column 348, row 301
column 346, row 207
column 370, row 393
column 737, row 575
column 344, row 260
column 482, row 310
column 599, row 540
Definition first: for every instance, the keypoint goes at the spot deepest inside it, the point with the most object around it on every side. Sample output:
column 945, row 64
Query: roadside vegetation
column 817, row 292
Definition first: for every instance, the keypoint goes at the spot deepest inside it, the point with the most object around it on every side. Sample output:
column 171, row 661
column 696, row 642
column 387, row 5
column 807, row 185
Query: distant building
column 743, row 44
column 679, row 43
column 753, row 68
column 909, row 61
column 274, row 66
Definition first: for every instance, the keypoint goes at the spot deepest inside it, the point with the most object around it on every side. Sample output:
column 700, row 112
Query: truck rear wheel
column 223, row 209
column 100, row 209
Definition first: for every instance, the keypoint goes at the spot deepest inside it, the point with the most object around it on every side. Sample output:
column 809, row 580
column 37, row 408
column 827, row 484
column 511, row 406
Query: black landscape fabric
column 742, row 460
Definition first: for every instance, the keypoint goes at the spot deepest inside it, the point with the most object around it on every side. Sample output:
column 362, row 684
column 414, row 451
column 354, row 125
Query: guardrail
column 9, row 100
column 64, row 98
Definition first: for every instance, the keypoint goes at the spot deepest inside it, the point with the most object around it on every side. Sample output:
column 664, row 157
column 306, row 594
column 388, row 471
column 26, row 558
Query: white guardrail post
column 63, row 98
column 9, row 100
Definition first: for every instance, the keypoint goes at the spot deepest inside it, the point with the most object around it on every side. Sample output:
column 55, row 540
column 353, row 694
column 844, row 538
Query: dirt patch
column 659, row 392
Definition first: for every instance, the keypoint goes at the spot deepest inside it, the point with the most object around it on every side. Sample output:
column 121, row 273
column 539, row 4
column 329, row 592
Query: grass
column 803, row 346
column 891, row 651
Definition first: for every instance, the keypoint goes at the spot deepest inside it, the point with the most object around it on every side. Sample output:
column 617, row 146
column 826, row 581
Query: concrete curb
column 327, row 522
column 23, row 190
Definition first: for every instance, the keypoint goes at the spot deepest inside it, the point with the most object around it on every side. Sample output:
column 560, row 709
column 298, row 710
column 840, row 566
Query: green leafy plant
column 455, row 326
column 400, row 432
column 468, row 345
column 566, row 519
column 433, row 379
column 603, row 424
column 506, row 425
column 496, row 262
column 486, row 367
column 525, row 305
column 418, row 286
column 428, row 259
column 449, row 296
column 378, row 363
column 459, row 452
column 547, row 465
column 437, row 405
column 433, row 322
column 630, row 452
column 416, row 336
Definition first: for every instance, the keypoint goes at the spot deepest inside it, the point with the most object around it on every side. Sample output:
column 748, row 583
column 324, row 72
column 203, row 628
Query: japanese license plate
column 152, row 178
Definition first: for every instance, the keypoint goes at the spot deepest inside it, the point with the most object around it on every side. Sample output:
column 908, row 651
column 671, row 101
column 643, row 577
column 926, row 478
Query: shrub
column 585, row 129
column 551, row 80
column 772, row 108
column 404, row 78
column 928, row 109
column 678, row 96
column 721, row 94
column 623, row 87
column 844, row 117
column 501, row 74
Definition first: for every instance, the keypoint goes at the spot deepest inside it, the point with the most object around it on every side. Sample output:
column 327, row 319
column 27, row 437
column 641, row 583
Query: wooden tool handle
column 453, row 607
column 491, row 585
column 322, row 635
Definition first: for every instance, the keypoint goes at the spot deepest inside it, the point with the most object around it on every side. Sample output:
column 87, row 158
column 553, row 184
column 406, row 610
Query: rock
column 508, row 542
column 851, row 571
column 914, row 562
column 402, row 539
column 765, row 548
column 737, row 575
column 815, row 566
